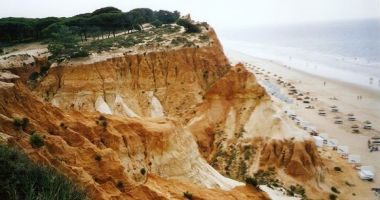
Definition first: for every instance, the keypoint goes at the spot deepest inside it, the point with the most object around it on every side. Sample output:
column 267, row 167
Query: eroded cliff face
column 185, row 116
column 240, row 130
column 149, row 84
column 107, row 158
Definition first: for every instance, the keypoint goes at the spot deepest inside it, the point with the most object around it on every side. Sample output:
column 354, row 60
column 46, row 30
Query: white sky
column 219, row 13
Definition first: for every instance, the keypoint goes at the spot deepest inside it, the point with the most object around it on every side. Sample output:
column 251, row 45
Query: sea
column 347, row 51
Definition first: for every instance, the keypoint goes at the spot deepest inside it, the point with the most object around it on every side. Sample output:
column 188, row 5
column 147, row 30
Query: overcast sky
column 219, row 13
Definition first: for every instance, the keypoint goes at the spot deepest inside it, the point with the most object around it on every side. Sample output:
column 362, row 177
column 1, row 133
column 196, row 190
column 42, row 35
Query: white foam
column 328, row 66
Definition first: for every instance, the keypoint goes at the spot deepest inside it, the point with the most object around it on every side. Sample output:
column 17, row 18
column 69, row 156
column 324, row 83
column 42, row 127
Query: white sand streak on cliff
column 126, row 110
column 55, row 102
column 183, row 161
column 277, row 195
column 230, row 123
column 102, row 106
column 157, row 109
column 267, row 120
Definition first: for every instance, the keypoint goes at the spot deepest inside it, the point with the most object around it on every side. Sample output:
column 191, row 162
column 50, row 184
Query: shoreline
column 336, row 81
column 366, row 109
column 347, row 70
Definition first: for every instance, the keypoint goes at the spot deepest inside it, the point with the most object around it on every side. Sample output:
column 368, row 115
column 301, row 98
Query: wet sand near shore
column 328, row 93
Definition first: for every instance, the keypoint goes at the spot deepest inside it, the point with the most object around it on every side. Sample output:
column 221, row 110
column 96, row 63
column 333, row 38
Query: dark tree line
column 100, row 23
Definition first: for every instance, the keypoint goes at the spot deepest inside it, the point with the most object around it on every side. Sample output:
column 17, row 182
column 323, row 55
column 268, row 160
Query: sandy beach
column 329, row 93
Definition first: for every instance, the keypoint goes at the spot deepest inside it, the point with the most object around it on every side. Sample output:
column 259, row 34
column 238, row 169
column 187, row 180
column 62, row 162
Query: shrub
column 44, row 69
column 120, row 185
column 266, row 177
column 104, row 124
column 188, row 195
column 333, row 197
column 179, row 40
column 98, row 157
column 252, row 181
column 298, row 189
column 36, row 140
column 20, row 178
column 80, row 52
column 335, row 190
column 63, row 125
column 337, row 169
column 102, row 121
column 157, row 23
column 204, row 38
column 189, row 27
column 102, row 118
column 34, row 76
column 243, row 168
column 21, row 123
column 301, row 191
column 17, row 122
column 142, row 171
column 289, row 193
column 247, row 152
column 65, row 45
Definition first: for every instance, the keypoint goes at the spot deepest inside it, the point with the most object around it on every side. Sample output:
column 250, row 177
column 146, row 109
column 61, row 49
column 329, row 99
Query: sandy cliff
column 100, row 156
column 184, row 116
column 108, row 154
column 238, row 118
column 137, row 85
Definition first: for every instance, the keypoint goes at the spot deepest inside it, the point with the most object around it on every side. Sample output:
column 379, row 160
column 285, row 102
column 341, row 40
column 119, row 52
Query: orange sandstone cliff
column 107, row 152
column 130, row 85
column 183, row 115
column 125, row 146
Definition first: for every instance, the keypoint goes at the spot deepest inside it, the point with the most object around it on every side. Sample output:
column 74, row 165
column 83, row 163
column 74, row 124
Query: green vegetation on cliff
column 20, row 178
column 104, row 21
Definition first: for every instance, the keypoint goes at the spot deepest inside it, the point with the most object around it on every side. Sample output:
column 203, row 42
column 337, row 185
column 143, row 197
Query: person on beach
column 324, row 83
